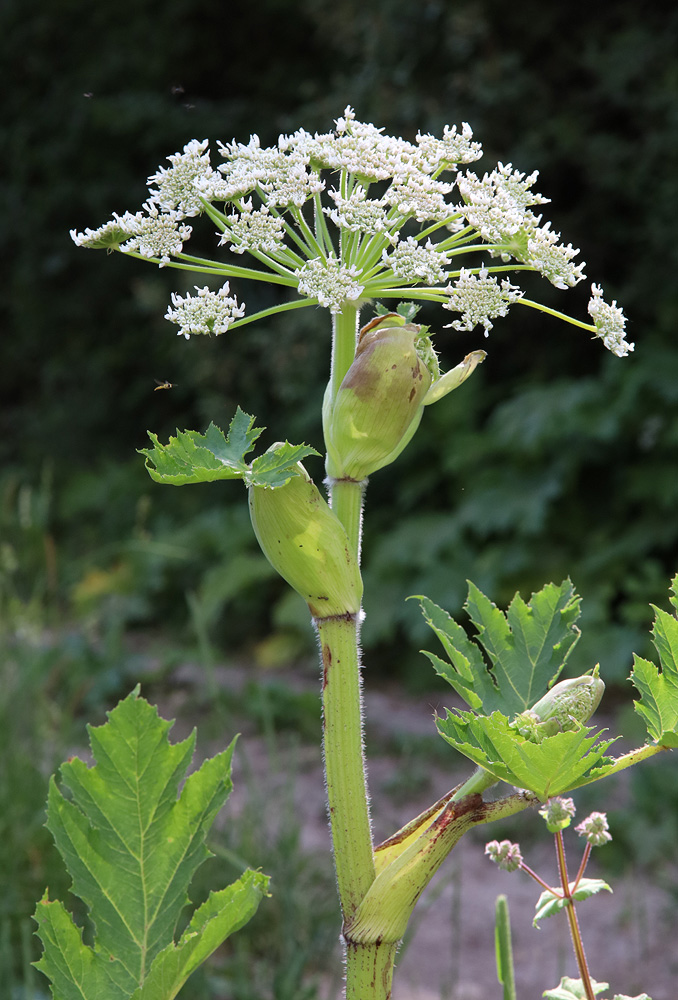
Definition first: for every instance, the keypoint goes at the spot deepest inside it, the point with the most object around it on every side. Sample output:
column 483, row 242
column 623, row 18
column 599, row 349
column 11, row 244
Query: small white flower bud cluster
column 330, row 282
column 558, row 813
column 155, row 233
column 253, row 229
column 207, row 312
column 610, row 323
column 176, row 187
column 358, row 213
column 480, row 299
column 413, row 262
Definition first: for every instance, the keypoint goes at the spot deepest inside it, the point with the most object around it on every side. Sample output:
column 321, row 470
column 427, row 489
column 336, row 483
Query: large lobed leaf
column 556, row 765
column 527, row 647
column 131, row 843
column 658, row 704
column 191, row 457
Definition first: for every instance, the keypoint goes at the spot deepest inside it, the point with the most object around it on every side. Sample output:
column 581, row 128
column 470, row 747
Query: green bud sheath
column 307, row 545
column 379, row 403
column 568, row 702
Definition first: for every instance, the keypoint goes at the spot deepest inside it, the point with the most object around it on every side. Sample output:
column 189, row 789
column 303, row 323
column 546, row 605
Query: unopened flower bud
column 595, row 829
column 307, row 544
column 505, row 854
column 558, row 813
column 378, row 405
column 566, row 705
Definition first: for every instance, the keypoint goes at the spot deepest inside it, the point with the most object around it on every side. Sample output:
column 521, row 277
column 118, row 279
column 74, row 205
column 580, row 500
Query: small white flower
column 154, row 233
column 255, row 230
column 358, row 213
column 413, row 262
column 610, row 322
column 283, row 178
column 498, row 206
column 454, row 147
column 416, row 194
column 106, row 237
column 177, row 190
column 330, row 282
column 207, row 312
column 552, row 259
column 480, row 299
column 362, row 149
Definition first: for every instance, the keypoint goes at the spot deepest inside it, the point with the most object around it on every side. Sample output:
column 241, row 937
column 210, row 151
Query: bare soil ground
column 631, row 936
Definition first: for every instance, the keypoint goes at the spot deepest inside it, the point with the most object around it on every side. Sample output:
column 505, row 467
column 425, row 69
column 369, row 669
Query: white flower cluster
column 253, row 229
column 499, row 207
column 413, row 262
column 342, row 242
column 106, row 237
column 176, row 190
column 454, row 147
column 330, row 282
column 207, row 312
column 154, row 233
column 358, row 213
column 610, row 323
column 480, row 299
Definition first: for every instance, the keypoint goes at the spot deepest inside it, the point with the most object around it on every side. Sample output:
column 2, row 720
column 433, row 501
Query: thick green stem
column 369, row 970
column 344, row 765
column 344, row 339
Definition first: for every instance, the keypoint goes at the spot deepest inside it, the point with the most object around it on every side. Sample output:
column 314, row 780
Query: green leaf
column 527, row 647
column 573, row 989
column 131, row 843
column 191, row 457
column 658, row 704
column 550, row 903
column 224, row 913
column 556, row 765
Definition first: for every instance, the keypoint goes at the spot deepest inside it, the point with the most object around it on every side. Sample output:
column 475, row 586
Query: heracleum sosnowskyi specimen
column 307, row 545
column 336, row 221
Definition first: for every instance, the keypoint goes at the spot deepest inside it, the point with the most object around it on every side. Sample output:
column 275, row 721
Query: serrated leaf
column 466, row 672
column 191, row 457
column 131, row 843
column 573, row 989
column 550, row 903
column 658, row 704
column 556, row 765
column 75, row 971
column 527, row 647
column 276, row 467
column 220, row 916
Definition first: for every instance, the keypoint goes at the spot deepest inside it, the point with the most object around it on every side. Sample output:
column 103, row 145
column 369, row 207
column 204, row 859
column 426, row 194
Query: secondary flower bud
column 307, row 544
column 378, row 405
column 566, row 704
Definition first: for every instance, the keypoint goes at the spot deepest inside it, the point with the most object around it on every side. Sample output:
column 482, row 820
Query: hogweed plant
column 346, row 221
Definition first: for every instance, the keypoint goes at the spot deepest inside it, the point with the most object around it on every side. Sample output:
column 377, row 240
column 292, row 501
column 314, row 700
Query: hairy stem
column 344, row 764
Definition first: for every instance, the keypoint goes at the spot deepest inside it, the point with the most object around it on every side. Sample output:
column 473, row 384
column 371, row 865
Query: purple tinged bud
column 595, row 829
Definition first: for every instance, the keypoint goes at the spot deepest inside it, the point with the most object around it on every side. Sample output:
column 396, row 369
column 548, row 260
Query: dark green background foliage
column 555, row 458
